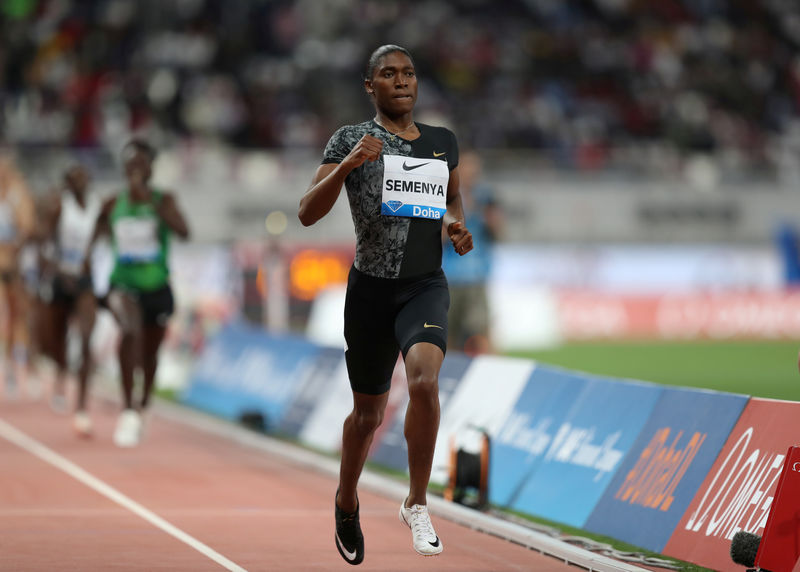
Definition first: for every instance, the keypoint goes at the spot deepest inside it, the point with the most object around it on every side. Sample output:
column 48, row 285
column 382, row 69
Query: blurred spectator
column 590, row 83
column 469, row 318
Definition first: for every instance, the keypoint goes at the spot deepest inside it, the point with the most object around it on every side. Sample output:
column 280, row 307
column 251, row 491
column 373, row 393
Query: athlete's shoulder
column 343, row 140
column 435, row 129
column 356, row 130
column 438, row 134
column 444, row 140
column 160, row 193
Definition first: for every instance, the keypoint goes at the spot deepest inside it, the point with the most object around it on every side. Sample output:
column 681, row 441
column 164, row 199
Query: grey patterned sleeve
column 336, row 149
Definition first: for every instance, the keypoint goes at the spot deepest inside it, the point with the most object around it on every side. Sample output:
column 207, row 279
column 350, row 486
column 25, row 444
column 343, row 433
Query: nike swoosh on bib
column 412, row 167
column 351, row 555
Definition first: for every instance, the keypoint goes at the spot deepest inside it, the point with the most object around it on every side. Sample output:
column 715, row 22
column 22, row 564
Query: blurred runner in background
column 139, row 221
column 36, row 267
column 70, row 225
column 16, row 224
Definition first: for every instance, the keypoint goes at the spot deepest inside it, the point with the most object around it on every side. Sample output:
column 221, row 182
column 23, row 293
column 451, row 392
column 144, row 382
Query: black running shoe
column 349, row 540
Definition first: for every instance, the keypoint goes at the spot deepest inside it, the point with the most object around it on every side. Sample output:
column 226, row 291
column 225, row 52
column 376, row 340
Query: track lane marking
column 34, row 447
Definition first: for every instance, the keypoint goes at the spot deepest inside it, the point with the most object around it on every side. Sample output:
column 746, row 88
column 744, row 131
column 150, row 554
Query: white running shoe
column 128, row 431
column 426, row 542
column 82, row 424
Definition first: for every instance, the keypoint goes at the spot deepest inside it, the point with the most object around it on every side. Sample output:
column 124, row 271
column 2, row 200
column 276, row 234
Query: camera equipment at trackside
column 469, row 469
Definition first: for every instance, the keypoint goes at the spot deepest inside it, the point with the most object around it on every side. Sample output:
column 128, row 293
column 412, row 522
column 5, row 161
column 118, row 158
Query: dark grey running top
column 391, row 246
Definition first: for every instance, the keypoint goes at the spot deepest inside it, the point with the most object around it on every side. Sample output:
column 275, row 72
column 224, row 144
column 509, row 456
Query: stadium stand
column 581, row 80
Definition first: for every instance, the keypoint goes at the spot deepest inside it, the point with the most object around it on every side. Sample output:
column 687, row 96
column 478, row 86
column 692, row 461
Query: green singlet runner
column 140, row 244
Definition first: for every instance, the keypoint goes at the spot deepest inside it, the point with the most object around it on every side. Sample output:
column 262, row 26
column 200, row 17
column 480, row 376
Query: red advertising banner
column 737, row 494
column 780, row 546
column 585, row 315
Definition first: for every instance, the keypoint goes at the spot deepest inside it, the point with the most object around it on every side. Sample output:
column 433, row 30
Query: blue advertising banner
column 246, row 370
column 392, row 450
column 586, row 449
column 666, row 466
column 519, row 447
column 315, row 386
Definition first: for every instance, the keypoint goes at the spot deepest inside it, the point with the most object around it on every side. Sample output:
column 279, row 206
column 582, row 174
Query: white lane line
column 23, row 441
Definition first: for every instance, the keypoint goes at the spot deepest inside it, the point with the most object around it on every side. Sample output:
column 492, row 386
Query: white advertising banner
column 483, row 401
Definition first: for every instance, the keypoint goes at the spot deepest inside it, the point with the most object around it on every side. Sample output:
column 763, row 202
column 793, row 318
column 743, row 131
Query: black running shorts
column 66, row 292
column 385, row 315
column 156, row 305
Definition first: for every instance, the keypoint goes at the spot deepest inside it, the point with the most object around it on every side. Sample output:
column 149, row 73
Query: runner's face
column 139, row 164
column 394, row 84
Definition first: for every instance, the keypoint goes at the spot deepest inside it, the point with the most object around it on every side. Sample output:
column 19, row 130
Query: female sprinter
column 402, row 185
column 140, row 221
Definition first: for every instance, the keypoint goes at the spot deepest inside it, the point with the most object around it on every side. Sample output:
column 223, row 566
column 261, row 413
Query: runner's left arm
column 169, row 212
column 453, row 219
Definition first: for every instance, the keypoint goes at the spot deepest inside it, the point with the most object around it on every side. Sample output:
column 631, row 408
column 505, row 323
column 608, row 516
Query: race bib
column 137, row 239
column 414, row 187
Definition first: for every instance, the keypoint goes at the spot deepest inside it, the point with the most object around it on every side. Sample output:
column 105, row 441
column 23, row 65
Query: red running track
column 73, row 504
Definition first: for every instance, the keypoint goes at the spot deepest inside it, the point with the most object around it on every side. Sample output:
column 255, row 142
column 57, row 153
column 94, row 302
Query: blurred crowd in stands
column 578, row 80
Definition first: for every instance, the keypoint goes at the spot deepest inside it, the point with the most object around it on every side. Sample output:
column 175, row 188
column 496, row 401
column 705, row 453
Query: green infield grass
column 757, row 368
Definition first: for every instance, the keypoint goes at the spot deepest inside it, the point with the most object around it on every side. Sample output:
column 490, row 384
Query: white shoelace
column 420, row 522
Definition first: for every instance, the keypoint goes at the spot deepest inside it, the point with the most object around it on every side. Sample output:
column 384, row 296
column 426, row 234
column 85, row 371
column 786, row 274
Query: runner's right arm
column 329, row 178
